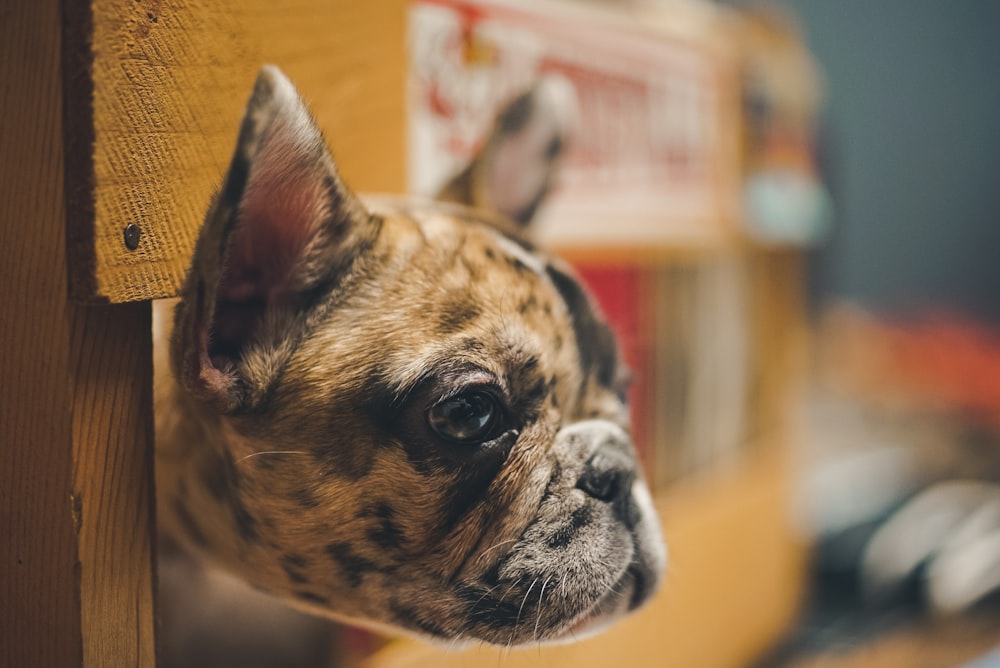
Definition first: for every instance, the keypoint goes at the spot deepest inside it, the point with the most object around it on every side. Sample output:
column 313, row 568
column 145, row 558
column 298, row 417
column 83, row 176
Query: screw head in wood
column 132, row 235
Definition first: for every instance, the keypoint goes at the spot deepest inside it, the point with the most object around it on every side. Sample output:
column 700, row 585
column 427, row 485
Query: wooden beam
column 75, row 401
column 155, row 91
column 118, row 113
column 111, row 374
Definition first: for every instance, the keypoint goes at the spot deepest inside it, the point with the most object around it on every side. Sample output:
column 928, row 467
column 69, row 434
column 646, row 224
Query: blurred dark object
column 900, row 493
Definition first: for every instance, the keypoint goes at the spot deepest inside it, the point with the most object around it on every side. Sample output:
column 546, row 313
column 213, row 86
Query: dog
column 394, row 412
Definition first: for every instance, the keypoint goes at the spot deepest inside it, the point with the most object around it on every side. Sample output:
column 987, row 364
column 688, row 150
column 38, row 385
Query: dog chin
column 628, row 594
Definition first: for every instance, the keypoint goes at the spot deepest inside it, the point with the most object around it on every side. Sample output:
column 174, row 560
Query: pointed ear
column 516, row 166
column 283, row 230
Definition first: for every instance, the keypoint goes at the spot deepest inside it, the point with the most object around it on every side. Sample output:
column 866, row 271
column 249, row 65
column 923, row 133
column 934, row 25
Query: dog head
column 396, row 413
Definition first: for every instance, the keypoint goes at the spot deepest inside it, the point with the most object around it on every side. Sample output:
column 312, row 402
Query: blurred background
column 790, row 214
column 909, row 122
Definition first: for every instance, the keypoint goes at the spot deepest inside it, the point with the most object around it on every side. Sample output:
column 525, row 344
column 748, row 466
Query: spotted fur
column 315, row 331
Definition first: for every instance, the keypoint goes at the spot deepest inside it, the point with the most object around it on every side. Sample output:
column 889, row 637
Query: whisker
column 517, row 621
column 271, row 452
column 453, row 642
column 538, row 612
column 490, row 549
column 485, row 594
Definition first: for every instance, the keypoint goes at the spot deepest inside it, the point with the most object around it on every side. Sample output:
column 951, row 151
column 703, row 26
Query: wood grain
column 155, row 90
column 40, row 613
column 111, row 376
column 75, row 401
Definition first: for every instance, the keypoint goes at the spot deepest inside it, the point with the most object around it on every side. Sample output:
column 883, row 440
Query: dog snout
column 608, row 476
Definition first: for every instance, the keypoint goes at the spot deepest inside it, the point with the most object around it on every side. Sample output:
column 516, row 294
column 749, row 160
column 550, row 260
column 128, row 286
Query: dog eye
column 468, row 418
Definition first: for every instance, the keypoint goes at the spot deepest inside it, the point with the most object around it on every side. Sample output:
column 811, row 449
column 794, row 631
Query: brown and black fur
column 294, row 448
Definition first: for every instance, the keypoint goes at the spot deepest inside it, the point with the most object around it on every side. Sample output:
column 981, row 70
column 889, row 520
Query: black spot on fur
column 312, row 597
column 491, row 578
column 246, row 524
column 189, row 525
column 386, row 533
column 293, row 565
column 529, row 386
column 561, row 538
column 490, row 254
column 536, row 391
column 580, row 518
column 417, row 456
column 475, row 271
column 471, row 485
column 296, row 560
column 219, row 476
column 528, row 304
column 557, row 472
column 457, row 314
column 236, row 179
column 471, row 345
column 334, row 459
column 304, row 497
column 352, row 565
column 516, row 264
column 409, row 617
column 482, row 608
column 384, row 407
column 594, row 339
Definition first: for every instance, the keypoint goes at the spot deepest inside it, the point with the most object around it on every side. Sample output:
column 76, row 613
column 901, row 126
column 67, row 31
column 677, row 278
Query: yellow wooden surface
column 733, row 584
column 75, row 400
column 154, row 104
column 779, row 336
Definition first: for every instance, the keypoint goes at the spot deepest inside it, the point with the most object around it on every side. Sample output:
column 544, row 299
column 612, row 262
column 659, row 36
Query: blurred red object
column 955, row 360
column 943, row 360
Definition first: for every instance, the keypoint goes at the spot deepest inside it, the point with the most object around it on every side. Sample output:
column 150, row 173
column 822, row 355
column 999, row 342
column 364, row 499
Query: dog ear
column 515, row 168
column 283, row 231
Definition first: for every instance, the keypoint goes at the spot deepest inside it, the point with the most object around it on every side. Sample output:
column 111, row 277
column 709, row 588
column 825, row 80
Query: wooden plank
column 779, row 337
column 75, row 402
column 155, row 91
column 111, row 376
column 40, row 613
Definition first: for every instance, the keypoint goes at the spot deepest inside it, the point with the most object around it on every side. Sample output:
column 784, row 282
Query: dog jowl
column 396, row 413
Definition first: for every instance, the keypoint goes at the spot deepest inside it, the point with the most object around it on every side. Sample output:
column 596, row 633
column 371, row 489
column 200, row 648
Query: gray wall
column 912, row 135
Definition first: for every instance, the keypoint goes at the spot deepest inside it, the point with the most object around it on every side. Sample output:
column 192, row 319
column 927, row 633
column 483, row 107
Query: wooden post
column 76, row 576
column 116, row 113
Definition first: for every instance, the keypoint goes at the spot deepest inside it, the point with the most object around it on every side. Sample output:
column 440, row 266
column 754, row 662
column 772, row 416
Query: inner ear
column 283, row 226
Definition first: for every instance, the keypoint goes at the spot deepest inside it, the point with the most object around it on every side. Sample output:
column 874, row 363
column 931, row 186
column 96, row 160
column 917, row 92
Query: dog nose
column 608, row 476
